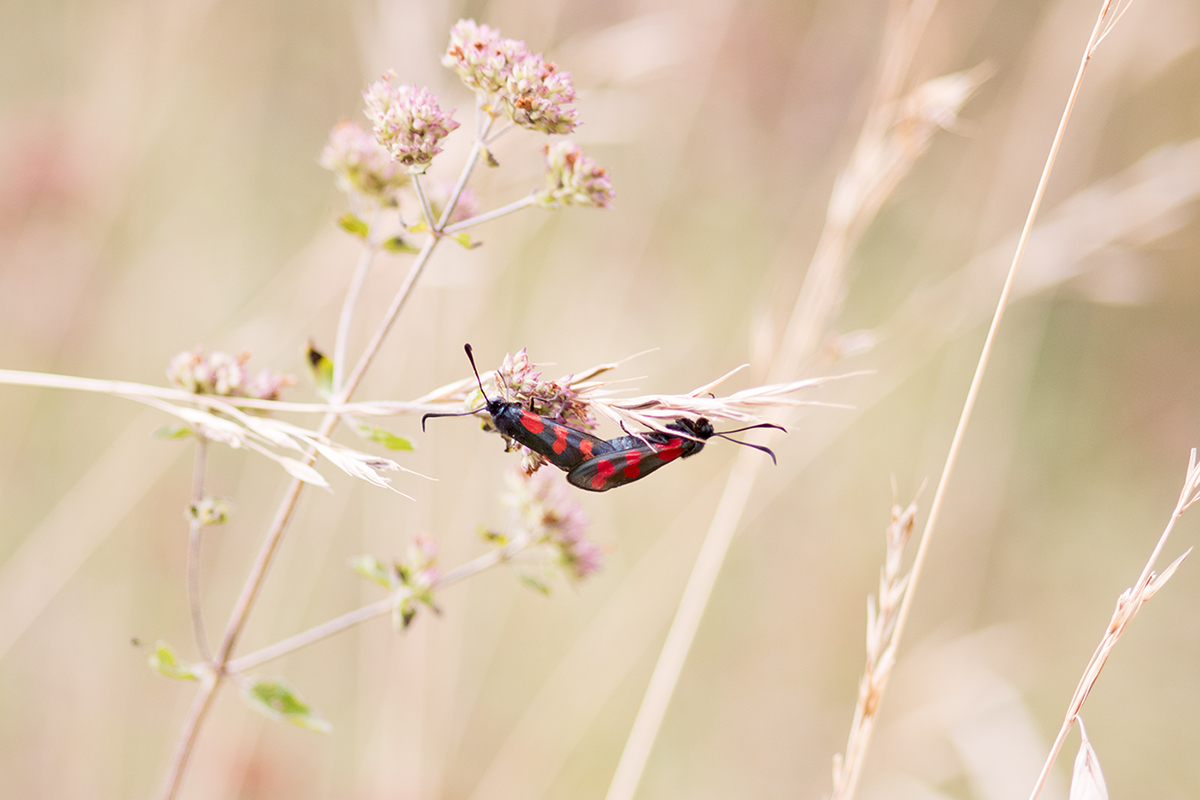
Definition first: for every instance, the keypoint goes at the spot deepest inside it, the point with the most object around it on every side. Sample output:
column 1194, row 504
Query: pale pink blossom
column 512, row 81
column 407, row 121
column 573, row 179
column 361, row 165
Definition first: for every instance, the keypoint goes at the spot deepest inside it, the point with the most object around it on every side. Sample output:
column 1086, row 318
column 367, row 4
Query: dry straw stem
column 656, row 410
column 195, row 529
column 1103, row 24
column 1128, row 605
column 894, row 136
column 881, row 651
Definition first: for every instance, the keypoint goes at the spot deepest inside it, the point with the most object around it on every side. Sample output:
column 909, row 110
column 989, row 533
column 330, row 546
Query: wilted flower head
column 513, row 81
column 553, row 518
column 361, row 164
column 407, row 121
column 223, row 374
column 573, row 179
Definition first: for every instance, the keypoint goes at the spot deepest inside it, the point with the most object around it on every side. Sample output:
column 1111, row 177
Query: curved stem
column 365, row 258
column 1137, row 595
column 195, row 526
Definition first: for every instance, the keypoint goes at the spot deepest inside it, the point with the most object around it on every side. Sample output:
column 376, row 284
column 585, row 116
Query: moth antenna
column 471, row 358
column 759, row 447
column 486, row 401
column 751, row 427
column 449, row 414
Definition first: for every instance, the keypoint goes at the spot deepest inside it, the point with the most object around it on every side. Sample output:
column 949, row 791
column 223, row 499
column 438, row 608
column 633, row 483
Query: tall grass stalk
column 894, row 135
column 858, row 745
column 1128, row 605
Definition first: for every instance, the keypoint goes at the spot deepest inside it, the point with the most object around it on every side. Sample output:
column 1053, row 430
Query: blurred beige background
column 159, row 189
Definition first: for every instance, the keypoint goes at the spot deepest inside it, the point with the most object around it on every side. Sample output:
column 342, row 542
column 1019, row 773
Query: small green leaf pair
column 271, row 697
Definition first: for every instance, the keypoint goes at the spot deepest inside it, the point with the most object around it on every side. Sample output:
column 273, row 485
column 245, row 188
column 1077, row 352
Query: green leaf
column 419, row 227
column 320, row 366
column 398, row 244
column 374, row 569
column 277, row 700
column 386, row 438
column 464, row 239
column 354, row 225
column 172, row 432
column 164, row 660
column 403, row 614
column 535, row 584
column 492, row 537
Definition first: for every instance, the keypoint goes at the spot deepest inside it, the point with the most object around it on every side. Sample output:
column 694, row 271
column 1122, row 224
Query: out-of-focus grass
column 159, row 189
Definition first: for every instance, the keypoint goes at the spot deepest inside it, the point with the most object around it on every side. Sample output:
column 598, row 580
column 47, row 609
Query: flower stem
column 426, row 209
column 283, row 515
column 195, row 526
column 359, row 615
column 187, row 740
column 365, row 258
column 490, row 215
column 483, row 123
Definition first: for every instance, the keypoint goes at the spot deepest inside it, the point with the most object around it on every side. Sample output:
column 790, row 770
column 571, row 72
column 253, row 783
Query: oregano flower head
column 361, row 165
column 573, row 179
column 512, row 81
column 407, row 121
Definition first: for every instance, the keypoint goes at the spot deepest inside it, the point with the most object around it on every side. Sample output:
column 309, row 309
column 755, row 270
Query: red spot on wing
column 532, row 422
column 604, row 471
column 671, row 450
column 632, row 459
column 560, row 439
column 585, row 447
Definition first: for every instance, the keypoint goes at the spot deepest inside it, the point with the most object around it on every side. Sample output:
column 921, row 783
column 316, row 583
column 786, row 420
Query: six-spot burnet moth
column 562, row 445
column 630, row 458
column 590, row 462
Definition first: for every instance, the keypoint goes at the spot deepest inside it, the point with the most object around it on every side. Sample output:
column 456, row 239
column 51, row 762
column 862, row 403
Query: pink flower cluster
column 555, row 519
column 573, row 179
column 523, row 384
column 223, row 374
column 407, row 121
column 361, row 165
column 513, row 81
